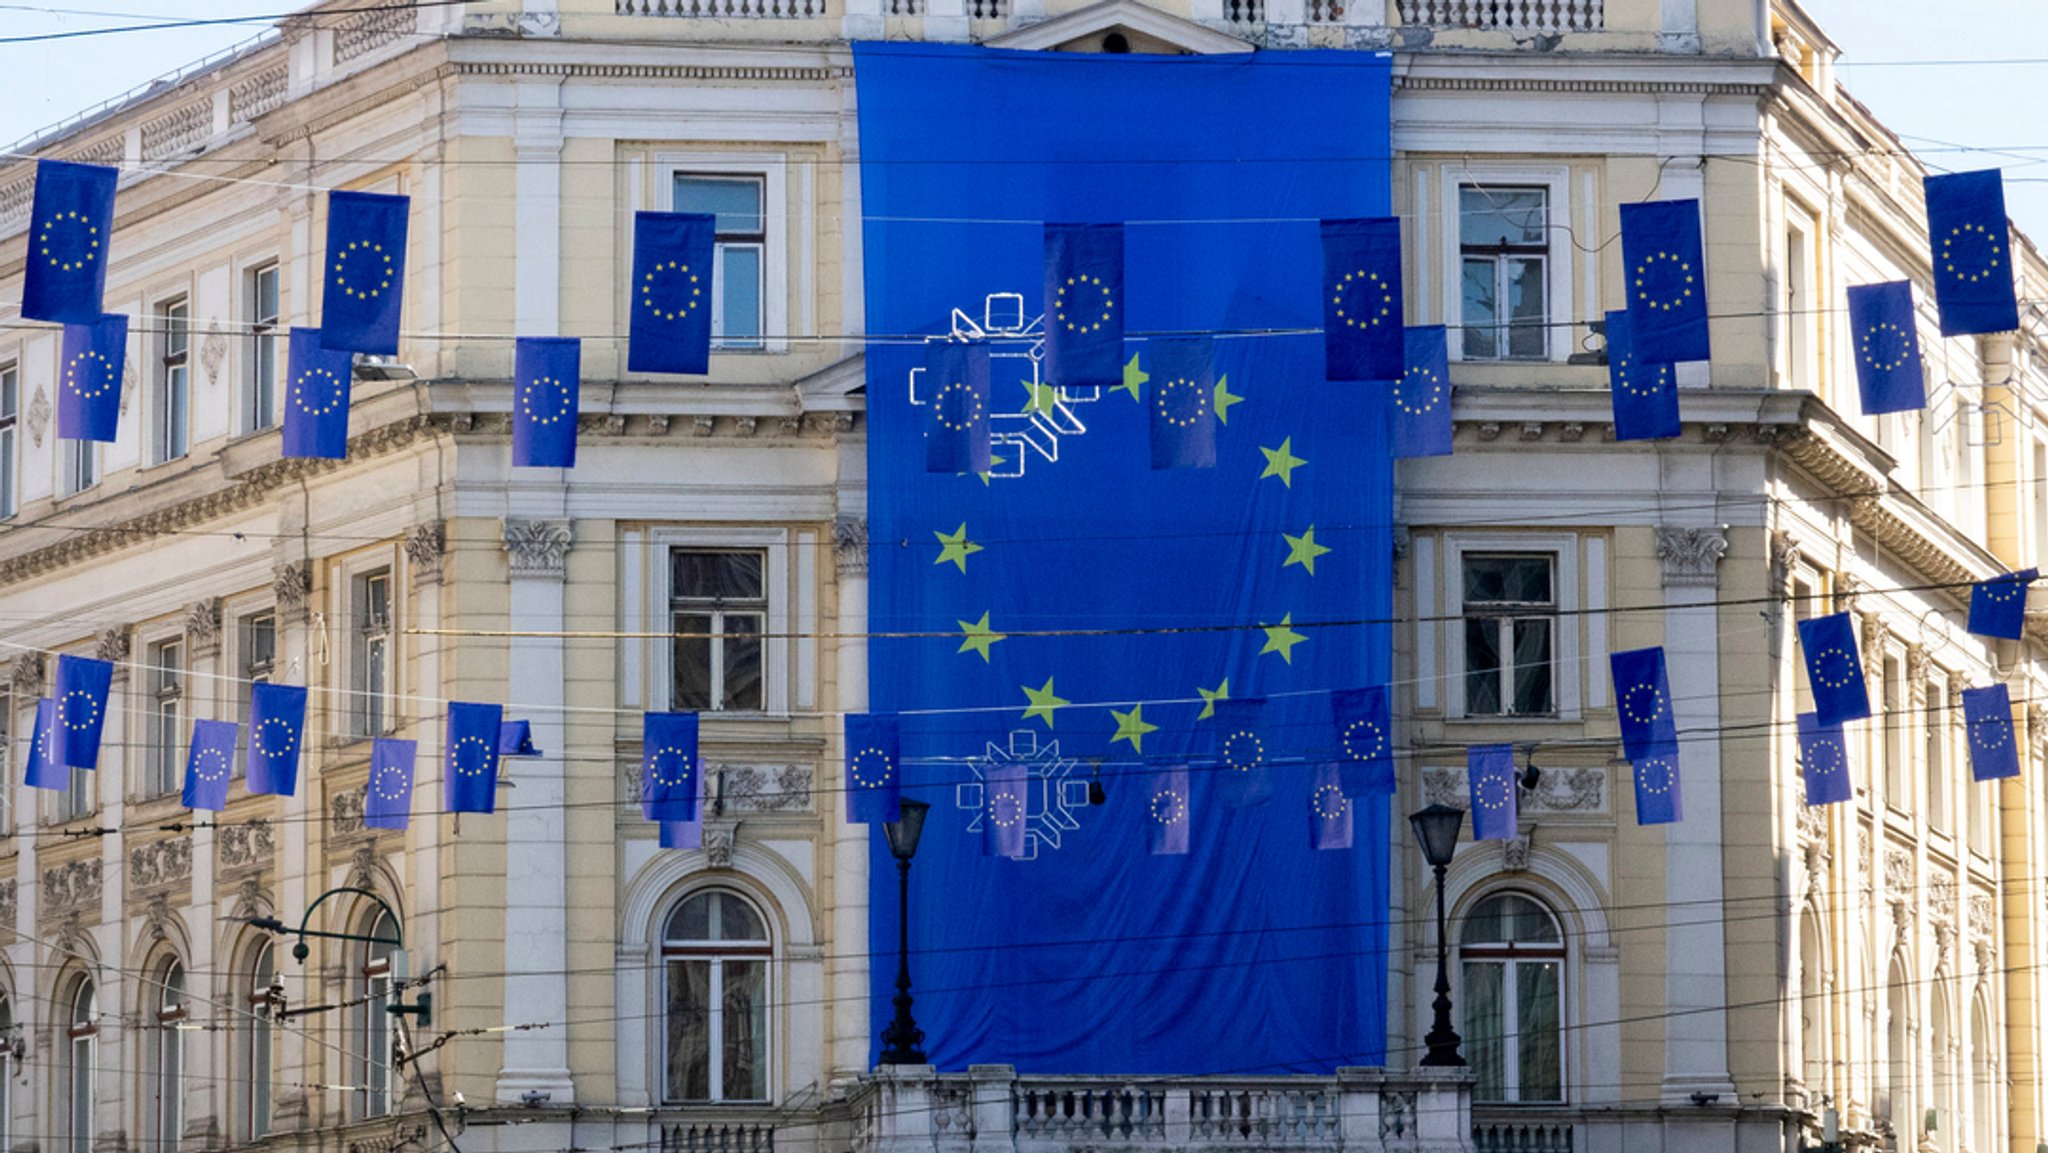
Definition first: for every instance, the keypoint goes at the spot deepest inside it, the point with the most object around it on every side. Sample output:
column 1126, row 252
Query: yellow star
column 1131, row 727
column 1210, row 697
column 993, row 460
column 1224, row 399
column 1303, row 550
column 1043, row 702
column 1039, row 398
column 1133, row 377
column 977, row 636
column 1282, row 638
column 1282, row 462
column 957, row 548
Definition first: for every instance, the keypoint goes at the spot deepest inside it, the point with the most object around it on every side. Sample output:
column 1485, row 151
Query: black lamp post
column 901, row 1039
column 1436, row 827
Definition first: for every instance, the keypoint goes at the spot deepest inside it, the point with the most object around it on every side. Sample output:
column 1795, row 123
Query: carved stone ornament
column 202, row 625
column 157, row 916
column 1444, row 787
column 26, row 677
column 160, row 864
column 850, row 544
column 112, row 644
column 345, row 811
column 362, row 871
column 38, row 416
column 538, row 548
column 73, row 887
column 764, row 788
column 10, row 903
column 1876, row 631
column 246, row 848
column 1785, row 549
column 1691, row 556
column 426, row 547
column 718, row 838
column 1397, row 1114
column 1898, row 872
column 212, row 351
column 251, row 900
column 1514, row 854
column 1813, row 823
column 1941, row 901
column 292, row 584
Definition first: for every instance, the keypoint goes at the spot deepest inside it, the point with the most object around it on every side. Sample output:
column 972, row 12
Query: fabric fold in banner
column 1490, row 772
column 515, row 739
column 1363, row 315
column 873, row 781
column 209, row 765
column 1005, row 791
column 1329, row 811
column 472, row 757
column 44, row 768
column 682, row 834
column 1169, row 811
column 387, row 800
column 671, row 291
column 82, row 688
column 1365, row 739
column 1421, row 396
column 361, row 301
column 1666, row 280
column 956, row 386
column 1658, row 799
column 1642, row 700
column 1834, row 670
column 1084, row 305
column 1824, row 762
column 1645, row 394
column 1970, row 242
column 668, row 766
column 547, row 374
column 318, row 386
column 1183, row 403
column 1998, row 607
column 1987, row 714
column 1243, row 756
column 89, row 390
column 277, row 723
column 1885, row 336
column 70, row 230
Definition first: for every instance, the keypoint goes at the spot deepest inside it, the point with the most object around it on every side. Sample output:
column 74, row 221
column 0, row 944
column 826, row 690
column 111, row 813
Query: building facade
column 1733, row 980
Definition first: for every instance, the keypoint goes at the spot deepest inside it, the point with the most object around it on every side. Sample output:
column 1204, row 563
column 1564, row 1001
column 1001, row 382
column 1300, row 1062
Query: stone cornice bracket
column 426, row 549
column 292, row 585
column 850, row 544
column 1785, row 549
column 202, row 626
column 25, row 677
column 1691, row 556
column 113, row 645
column 538, row 548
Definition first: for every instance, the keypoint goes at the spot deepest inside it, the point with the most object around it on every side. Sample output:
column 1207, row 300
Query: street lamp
column 1436, row 828
column 901, row 1039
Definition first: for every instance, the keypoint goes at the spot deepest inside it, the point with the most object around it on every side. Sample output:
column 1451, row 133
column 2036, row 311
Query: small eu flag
column 671, row 290
column 1998, row 607
column 1833, row 669
column 1666, row 279
column 472, row 752
column 1967, row 233
column 69, row 231
column 359, row 310
column 387, row 803
column 1886, row 340
column 1005, row 806
column 82, row 686
column 277, row 721
column 1084, row 305
column 1183, row 403
column 546, row 374
column 1824, row 762
column 44, row 768
column 1362, row 312
column 1658, row 800
column 956, row 385
column 1645, row 394
column 874, row 778
column 1421, row 424
column 1495, row 814
column 316, row 401
column 1365, row 738
column 89, row 390
column 1642, row 699
column 209, row 765
column 668, row 766
column 1329, row 811
column 1168, row 811
column 1243, row 761
column 1987, row 714
column 515, row 739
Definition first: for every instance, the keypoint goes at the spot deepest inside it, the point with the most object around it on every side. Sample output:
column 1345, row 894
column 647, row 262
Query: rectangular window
column 1934, row 718
column 166, row 717
column 266, row 340
column 10, row 407
column 718, row 608
column 7, row 705
column 738, row 306
column 80, row 469
column 1801, row 321
column 1504, row 249
column 256, row 646
column 77, row 798
column 1896, row 718
column 2040, row 497
column 173, row 380
column 1510, row 635
column 370, row 655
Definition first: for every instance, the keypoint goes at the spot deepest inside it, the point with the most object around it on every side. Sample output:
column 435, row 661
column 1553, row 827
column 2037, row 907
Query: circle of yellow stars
column 1898, row 341
column 657, row 765
column 1169, row 807
column 210, row 764
column 1419, row 380
column 1371, row 730
column 374, row 282
column 1989, row 735
column 1243, row 751
column 1642, row 714
column 90, row 365
column 1329, row 802
column 1068, row 299
column 1371, row 284
column 69, row 262
column 1654, row 775
column 389, row 782
column 1837, row 658
column 1005, row 815
column 301, row 391
column 1169, row 403
column 463, row 767
column 286, row 742
column 2004, row 590
column 869, row 756
column 1634, row 383
column 545, row 385
column 1993, row 249
column 1825, row 755
column 1495, row 790
column 972, row 404
column 92, row 711
column 682, row 272
column 1650, row 267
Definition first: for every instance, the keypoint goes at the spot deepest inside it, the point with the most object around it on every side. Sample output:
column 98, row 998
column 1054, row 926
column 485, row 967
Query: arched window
column 81, row 1061
column 258, row 1055
column 715, row 953
column 1983, row 1089
column 1943, row 1099
column 1895, row 1099
column 1813, row 1007
column 166, row 1099
column 373, row 1023
column 1513, row 960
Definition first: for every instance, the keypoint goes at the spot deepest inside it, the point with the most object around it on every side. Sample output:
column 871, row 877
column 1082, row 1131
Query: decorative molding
column 426, row 551
column 1445, row 786
column 157, row 916
column 345, row 812
column 1876, row 631
column 850, row 544
column 718, row 839
column 292, row 585
column 1785, row 553
column 764, row 788
column 362, row 871
column 1691, row 556
column 73, row 887
column 202, row 626
column 214, row 349
column 246, row 848
column 1898, row 872
column 1514, row 854
column 251, row 900
column 1983, row 926
column 38, row 416
column 112, row 645
column 10, row 903
column 160, row 864
column 25, row 677
column 538, row 548
column 1941, row 901
column 747, row 73
column 1397, row 1116
column 1598, row 87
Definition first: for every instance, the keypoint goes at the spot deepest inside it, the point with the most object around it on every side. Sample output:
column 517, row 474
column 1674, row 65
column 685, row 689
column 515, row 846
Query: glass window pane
column 741, row 270
column 744, row 1023
column 689, row 1031
column 741, row 650
column 1491, row 217
column 692, row 661
column 1536, row 1029
column 1526, row 922
column 1526, row 579
column 1532, row 667
column 1481, row 309
column 736, row 920
column 1482, row 667
column 720, row 576
column 736, row 203
column 1485, row 1045
column 1483, row 925
column 1527, row 306
column 692, row 919
column 1483, row 578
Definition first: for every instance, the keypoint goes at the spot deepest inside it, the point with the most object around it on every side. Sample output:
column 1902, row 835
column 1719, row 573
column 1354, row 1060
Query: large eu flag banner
column 1124, row 596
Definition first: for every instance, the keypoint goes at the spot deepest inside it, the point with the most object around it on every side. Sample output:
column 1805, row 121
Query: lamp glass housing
column 1436, row 828
column 907, row 829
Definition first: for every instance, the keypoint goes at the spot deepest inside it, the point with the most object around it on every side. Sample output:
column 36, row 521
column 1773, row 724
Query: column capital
column 850, row 544
column 1691, row 556
column 539, row 547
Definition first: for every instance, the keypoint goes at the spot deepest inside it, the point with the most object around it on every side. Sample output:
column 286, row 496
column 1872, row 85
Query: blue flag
column 1365, row 739
column 1362, row 310
column 515, row 739
column 1645, row 394
column 44, row 769
column 316, row 403
column 1998, row 607
column 1329, row 811
column 1169, row 810
column 361, row 306
column 277, row 723
column 89, row 393
column 472, row 755
column 1495, row 808
column 1642, row 701
column 668, row 766
column 1005, row 806
column 69, row 232
column 1987, row 714
column 1971, row 248
column 1244, row 753
column 1824, row 762
column 546, row 374
column 82, row 687
column 671, row 290
column 1084, row 305
column 1183, row 403
column 956, row 392
column 1658, row 799
column 1833, row 669
column 682, row 834
column 1666, row 280
column 874, row 781
column 1886, row 339
column 1421, row 397
column 387, row 804
column 209, row 764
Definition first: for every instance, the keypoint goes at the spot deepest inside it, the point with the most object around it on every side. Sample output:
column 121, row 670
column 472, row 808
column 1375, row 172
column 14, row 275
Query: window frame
column 1567, row 678
column 266, row 331
column 81, row 1063
column 165, row 697
column 782, row 233
column 377, row 1085
column 1501, row 257
column 165, row 1099
column 1560, row 324
column 10, row 438
column 78, row 466
column 717, row 609
column 371, row 711
column 717, row 953
column 1511, row 955
column 170, row 419
column 256, row 1086
column 645, row 592
column 1934, row 801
